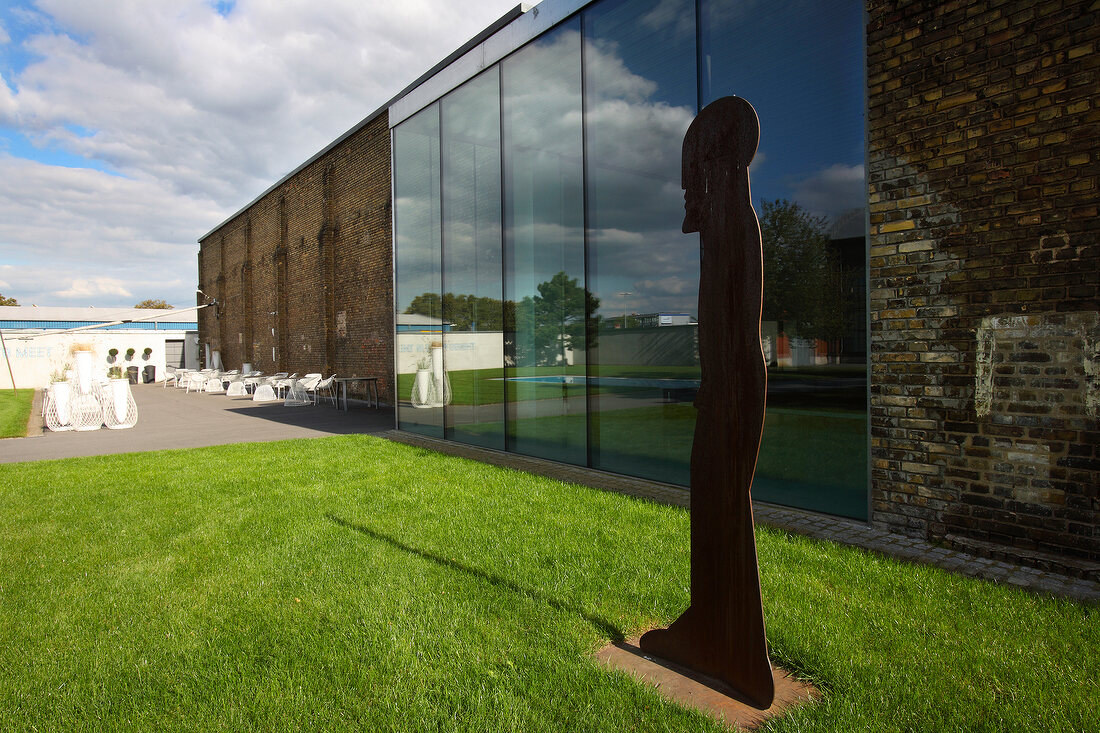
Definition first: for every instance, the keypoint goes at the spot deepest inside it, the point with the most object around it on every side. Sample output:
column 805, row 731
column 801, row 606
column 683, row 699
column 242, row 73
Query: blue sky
column 129, row 128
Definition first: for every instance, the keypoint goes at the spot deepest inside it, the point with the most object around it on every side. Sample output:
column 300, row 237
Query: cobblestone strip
column 818, row 526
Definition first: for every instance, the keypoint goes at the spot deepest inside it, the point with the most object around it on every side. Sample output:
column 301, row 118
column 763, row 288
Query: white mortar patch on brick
column 1091, row 365
column 1067, row 346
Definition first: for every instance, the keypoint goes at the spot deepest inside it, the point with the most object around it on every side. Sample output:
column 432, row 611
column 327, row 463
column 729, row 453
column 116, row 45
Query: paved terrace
column 169, row 418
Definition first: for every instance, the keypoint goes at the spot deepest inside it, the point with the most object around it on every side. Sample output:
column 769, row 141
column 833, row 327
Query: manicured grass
column 352, row 583
column 15, row 410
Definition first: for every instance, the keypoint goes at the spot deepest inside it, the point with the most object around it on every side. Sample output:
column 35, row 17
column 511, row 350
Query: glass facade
column 472, row 262
column 546, row 297
column 544, row 247
column 417, row 248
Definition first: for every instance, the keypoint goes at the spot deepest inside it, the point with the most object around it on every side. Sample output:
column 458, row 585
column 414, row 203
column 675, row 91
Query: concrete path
column 171, row 418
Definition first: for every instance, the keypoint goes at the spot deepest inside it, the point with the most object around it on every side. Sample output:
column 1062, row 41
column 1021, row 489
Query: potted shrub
column 147, row 353
column 129, row 354
column 112, row 354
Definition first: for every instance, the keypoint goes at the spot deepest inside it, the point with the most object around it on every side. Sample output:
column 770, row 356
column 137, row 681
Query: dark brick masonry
column 985, row 276
column 305, row 272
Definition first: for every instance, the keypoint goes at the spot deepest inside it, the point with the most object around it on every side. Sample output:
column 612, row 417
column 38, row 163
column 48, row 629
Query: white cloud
column 832, row 191
column 93, row 287
column 196, row 112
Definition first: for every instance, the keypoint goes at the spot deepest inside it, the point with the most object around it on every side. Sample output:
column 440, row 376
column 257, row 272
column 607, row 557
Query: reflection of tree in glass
column 552, row 323
column 804, row 283
column 463, row 312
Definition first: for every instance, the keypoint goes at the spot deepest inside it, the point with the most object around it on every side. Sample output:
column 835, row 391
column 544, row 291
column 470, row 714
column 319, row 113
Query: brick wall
column 304, row 275
column 985, row 274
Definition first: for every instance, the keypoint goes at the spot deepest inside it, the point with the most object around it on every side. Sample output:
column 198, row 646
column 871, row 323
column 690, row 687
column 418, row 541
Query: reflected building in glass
column 545, row 296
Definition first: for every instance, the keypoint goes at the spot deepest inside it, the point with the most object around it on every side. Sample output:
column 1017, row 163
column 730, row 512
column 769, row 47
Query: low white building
column 39, row 341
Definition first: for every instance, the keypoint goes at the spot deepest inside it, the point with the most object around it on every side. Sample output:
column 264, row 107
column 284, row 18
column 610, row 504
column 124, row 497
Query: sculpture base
column 702, row 693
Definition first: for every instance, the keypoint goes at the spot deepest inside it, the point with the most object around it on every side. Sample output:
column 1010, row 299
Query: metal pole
column 8, row 362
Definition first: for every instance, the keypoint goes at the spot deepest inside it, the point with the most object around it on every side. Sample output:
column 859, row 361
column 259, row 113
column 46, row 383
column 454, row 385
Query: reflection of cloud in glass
column 657, row 20
column 635, row 199
column 832, row 191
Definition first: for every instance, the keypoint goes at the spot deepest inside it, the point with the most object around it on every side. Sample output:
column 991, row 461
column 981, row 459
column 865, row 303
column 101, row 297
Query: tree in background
column 463, row 312
column 553, row 322
column 8, row 301
column 804, row 285
column 151, row 303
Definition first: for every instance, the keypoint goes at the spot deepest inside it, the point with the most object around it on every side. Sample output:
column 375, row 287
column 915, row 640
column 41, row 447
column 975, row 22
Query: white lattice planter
column 58, row 406
column 423, row 391
column 87, row 413
column 119, row 409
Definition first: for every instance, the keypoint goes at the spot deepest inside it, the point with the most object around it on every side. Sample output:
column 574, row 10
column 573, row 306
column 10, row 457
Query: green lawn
column 353, row 583
column 15, row 410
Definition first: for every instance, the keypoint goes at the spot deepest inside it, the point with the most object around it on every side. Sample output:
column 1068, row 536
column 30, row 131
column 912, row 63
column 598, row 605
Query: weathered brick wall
column 305, row 273
column 985, row 274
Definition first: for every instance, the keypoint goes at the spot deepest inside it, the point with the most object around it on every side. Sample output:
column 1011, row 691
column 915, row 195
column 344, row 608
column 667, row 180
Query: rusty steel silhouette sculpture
column 721, row 634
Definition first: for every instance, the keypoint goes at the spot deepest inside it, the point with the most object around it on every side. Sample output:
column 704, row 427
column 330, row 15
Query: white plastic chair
column 279, row 385
column 326, row 386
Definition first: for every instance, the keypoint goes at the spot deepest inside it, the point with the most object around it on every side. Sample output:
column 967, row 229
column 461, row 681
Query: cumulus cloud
column 93, row 287
column 192, row 113
column 832, row 191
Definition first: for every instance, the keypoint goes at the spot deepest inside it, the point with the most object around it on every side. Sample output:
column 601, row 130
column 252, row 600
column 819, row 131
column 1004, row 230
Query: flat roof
column 89, row 313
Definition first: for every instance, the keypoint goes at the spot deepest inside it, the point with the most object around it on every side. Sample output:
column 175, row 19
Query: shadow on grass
column 605, row 627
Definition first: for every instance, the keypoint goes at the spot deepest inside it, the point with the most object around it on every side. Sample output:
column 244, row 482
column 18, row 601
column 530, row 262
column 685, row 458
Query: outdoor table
column 372, row 390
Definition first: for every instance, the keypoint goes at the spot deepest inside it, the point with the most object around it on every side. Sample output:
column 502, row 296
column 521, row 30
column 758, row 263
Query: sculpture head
column 718, row 147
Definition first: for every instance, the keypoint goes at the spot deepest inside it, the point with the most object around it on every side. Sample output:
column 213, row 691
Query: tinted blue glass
column 419, row 318
column 544, row 245
column 640, row 85
column 801, row 65
column 472, row 275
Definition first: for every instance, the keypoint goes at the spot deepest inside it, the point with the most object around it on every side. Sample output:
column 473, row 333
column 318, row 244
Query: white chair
column 197, row 380
column 280, row 385
column 170, row 375
column 326, row 386
column 237, row 387
column 264, row 392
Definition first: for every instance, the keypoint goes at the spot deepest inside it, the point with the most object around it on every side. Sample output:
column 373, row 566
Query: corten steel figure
column 721, row 634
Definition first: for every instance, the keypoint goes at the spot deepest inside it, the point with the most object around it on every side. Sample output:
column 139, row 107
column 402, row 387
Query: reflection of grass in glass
column 807, row 457
column 486, row 386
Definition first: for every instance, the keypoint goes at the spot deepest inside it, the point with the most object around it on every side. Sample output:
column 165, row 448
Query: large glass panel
column 640, row 86
column 801, row 65
column 419, row 318
column 472, row 299
column 546, row 299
